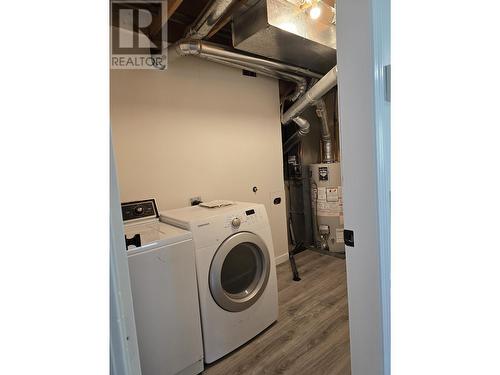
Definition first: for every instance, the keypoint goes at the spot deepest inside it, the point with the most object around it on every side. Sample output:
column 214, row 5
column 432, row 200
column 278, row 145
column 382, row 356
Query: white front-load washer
column 236, row 272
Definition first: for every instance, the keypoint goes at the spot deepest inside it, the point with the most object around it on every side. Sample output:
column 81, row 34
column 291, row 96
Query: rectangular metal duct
column 288, row 31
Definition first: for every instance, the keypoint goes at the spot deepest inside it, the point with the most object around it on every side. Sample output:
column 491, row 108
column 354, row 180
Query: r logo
column 137, row 34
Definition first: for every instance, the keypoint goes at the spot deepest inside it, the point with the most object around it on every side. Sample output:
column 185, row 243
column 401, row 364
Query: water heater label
column 329, row 208
column 323, row 173
column 321, row 194
column 328, row 201
column 332, row 194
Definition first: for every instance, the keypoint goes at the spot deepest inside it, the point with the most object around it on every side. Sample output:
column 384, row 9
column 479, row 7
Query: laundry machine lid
column 155, row 233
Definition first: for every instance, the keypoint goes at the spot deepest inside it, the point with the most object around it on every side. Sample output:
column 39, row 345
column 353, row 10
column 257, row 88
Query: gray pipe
column 221, row 54
column 304, row 128
column 279, row 70
column 202, row 27
column 303, row 124
column 301, row 82
column 326, row 137
column 206, row 49
column 316, row 92
column 209, row 18
column 314, row 97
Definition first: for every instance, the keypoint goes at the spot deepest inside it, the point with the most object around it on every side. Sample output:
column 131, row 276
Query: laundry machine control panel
column 211, row 226
column 236, row 222
column 139, row 210
column 243, row 219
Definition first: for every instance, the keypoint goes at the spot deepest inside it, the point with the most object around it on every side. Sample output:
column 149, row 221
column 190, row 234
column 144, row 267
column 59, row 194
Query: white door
column 363, row 50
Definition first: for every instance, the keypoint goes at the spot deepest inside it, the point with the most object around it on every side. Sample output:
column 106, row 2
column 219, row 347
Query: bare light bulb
column 315, row 12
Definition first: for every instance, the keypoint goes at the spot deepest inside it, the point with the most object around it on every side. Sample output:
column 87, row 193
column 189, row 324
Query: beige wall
column 199, row 129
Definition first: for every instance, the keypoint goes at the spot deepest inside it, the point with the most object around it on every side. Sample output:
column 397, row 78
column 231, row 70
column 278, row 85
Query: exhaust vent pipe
column 227, row 56
column 193, row 45
column 275, row 69
column 304, row 127
column 204, row 49
column 326, row 137
column 316, row 92
column 315, row 97
column 303, row 124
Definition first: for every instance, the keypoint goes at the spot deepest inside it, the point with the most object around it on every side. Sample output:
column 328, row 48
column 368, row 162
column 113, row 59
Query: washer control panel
column 242, row 219
column 139, row 210
column 236, row 222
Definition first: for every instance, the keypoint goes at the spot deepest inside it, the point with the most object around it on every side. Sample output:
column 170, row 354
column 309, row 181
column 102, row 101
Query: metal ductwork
column 315, row 93
column 209, row 18
column 287, row 31
column 275, row 69
column 304, row 127
column 326, row 137
column 262, row 29
column 301, row 82
column 206, row 49
column 230, row 57
column 315, row 97
column 327, row 151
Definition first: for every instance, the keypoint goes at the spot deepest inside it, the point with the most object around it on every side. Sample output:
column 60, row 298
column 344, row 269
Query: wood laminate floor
column 311, row 335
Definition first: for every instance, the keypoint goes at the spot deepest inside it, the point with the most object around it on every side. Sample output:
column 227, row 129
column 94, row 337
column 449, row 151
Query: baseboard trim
column 281, row 258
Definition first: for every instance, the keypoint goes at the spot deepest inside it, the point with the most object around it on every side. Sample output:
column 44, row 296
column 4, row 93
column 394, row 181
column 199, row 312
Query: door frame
column 382, row 62
column 363, row 27
column 124, row 349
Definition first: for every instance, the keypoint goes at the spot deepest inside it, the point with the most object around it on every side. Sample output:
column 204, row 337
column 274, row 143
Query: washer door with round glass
column 239, row 271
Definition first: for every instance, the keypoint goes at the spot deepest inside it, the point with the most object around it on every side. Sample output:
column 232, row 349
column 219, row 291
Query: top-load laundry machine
column 164, row 292
column 236, row 272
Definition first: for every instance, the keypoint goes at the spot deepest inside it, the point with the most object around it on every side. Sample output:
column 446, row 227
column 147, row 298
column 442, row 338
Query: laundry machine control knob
column 236, row 222
column 139, row 210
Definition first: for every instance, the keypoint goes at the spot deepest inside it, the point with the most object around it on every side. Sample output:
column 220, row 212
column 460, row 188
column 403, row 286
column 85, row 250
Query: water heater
column 327, row 207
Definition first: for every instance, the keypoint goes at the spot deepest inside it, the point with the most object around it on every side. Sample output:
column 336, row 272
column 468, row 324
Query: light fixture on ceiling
column 315, row 12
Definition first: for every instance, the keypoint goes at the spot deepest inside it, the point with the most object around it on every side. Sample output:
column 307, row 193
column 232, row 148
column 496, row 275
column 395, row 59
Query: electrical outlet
column 276, row 197
column 194, row 201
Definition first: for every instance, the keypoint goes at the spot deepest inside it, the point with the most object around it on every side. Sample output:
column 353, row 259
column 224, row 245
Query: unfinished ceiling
column 184, row 15
column 283, row 30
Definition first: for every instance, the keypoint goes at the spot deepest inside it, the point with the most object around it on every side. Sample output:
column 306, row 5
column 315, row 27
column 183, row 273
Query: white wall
column 199, row 128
